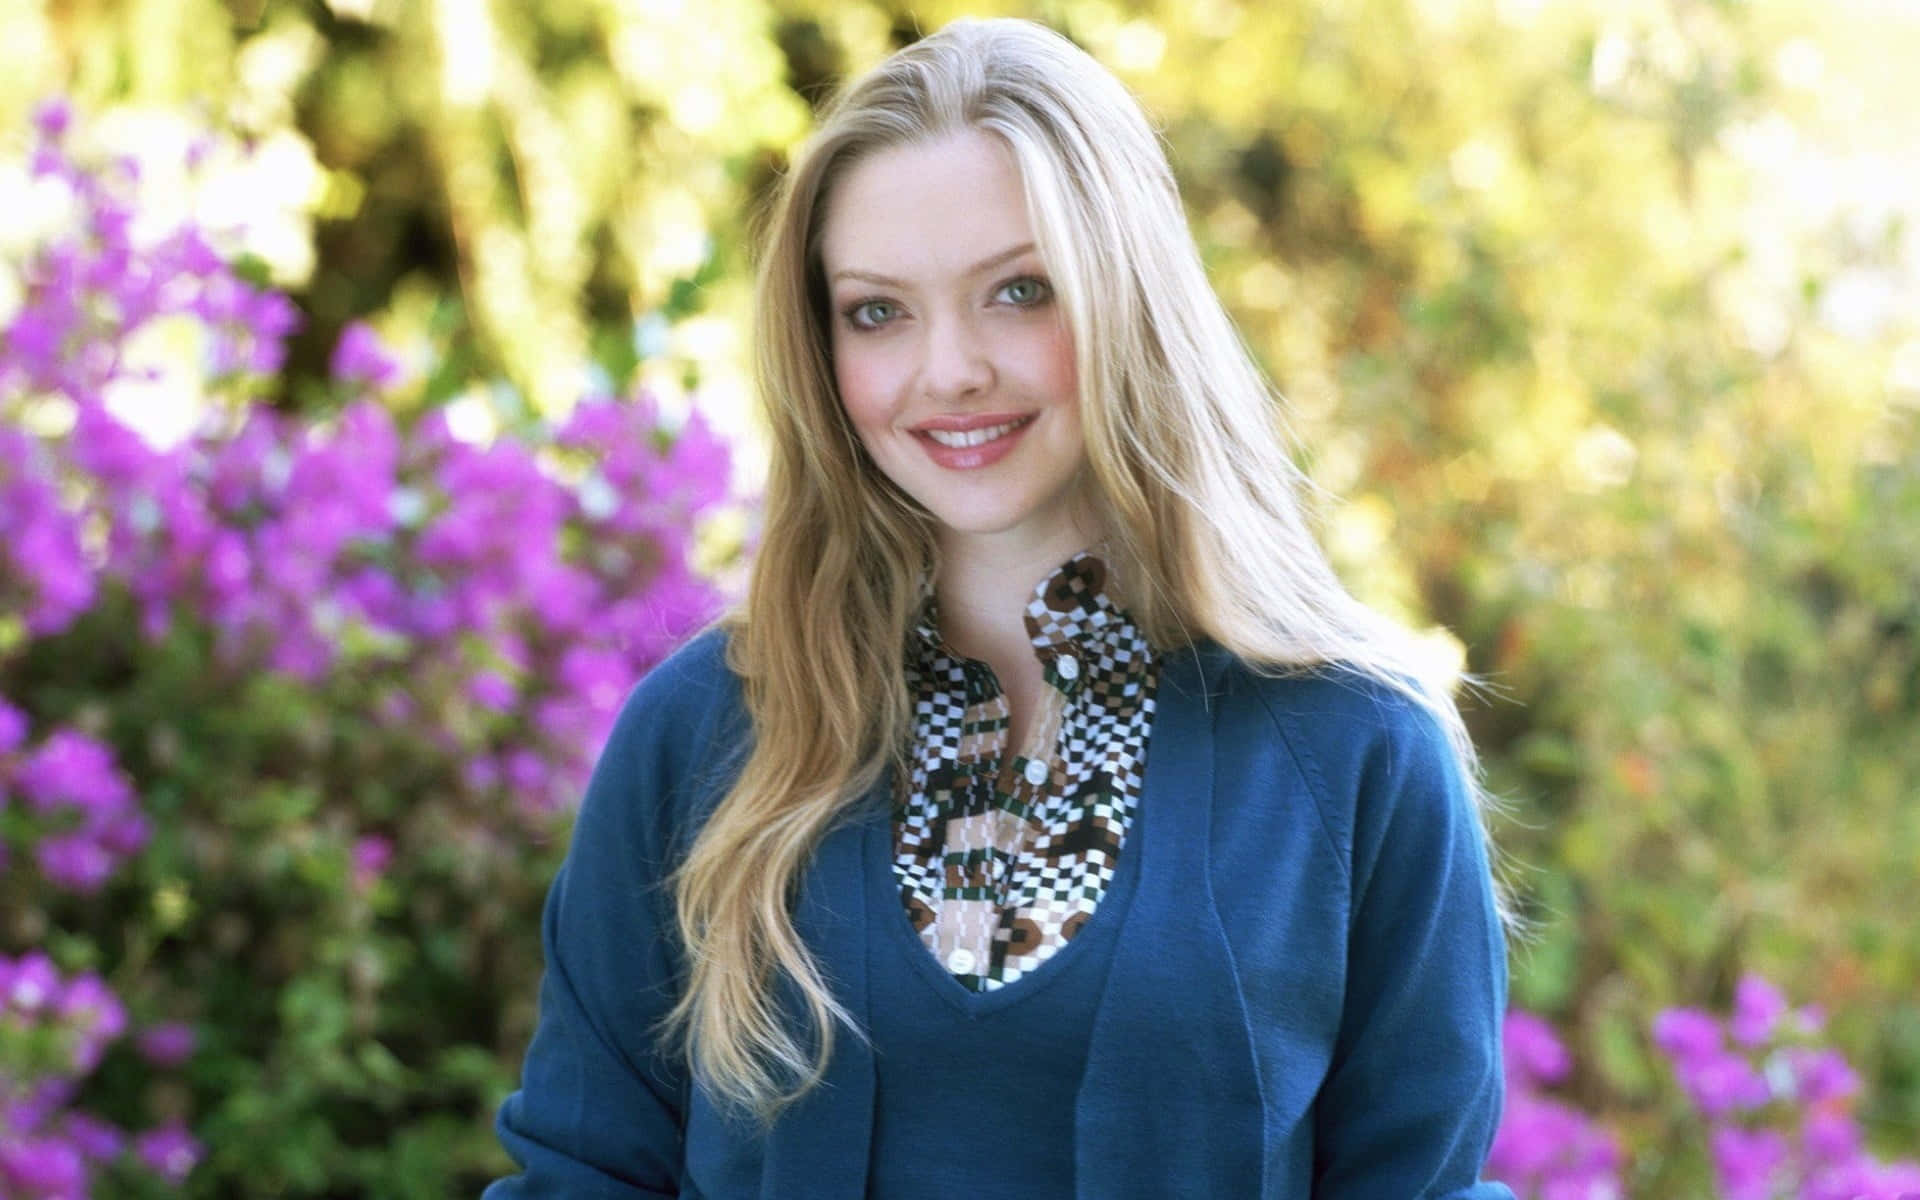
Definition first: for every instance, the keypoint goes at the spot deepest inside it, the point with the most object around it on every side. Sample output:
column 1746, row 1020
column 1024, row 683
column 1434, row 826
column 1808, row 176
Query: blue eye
column 871, row 314
column 1026, row 291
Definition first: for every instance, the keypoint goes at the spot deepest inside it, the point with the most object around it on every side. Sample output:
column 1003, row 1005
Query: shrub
column 291, row 716
column 1774, row 1106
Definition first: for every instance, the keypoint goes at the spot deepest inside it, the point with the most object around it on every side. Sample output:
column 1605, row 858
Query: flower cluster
column 1777, row 1104
column 83, row 804
column 1546, row 1149
column 497, row 599
column 538, row 576
column 96, row 288
column 1778, row 1108
column 54, row 1031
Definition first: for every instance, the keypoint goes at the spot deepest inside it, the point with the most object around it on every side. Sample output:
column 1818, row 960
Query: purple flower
column 1546, row 1149
column 359, row 357
column 74, row 861
column 1900, row 1180
column 96, row 1015
column 90, row 1006
column 42, row 1168
column 13, row 728
column 371, row 854
column 29, row 984
column 1686, row 1034
column 1748, row 1162
column 52, row 117
column 95, row 1139
column 169, row 1150
column 491, row 690
column 1758, row 1008
column 167, row 1044
column 71, row 768
column 1723, row 1083
column 1532, row 1051
column 1830, row 1137
column 1821, row 1075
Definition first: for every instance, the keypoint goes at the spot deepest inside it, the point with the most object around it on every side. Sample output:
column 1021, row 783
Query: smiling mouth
column 960, row 439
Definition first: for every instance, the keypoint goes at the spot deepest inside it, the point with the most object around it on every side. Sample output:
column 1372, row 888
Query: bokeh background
column 1598, row 322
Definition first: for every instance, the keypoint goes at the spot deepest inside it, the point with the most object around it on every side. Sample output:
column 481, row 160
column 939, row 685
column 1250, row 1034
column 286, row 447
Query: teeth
column 972, row 437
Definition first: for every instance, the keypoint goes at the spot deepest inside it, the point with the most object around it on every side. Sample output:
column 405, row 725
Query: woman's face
column 953, row 360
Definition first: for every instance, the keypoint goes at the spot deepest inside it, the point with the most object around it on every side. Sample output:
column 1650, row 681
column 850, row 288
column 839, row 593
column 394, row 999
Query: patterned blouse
column 1002, row 856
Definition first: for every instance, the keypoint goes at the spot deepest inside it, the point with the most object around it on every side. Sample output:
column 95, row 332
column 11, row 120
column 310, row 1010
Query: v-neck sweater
column 1303, row 1000
column 975, row 1091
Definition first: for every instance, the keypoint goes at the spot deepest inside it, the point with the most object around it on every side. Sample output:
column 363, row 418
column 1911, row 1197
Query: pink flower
column 1686, row 1034
column 359, row 357
column 169, row 1150
column 1821, row 1075
column 13, row 728
column 42, row 1167
column 1758, row 1008
column 1724, row 1083
column 167, row 1044
column 371, row 854
column 29, row 984
column 1531, row 1049
column 74, row 861
column 1748, row 1162
column 95, row 1139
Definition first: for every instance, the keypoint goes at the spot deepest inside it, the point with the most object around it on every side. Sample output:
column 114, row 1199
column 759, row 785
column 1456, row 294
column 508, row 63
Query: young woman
column 1050, row 822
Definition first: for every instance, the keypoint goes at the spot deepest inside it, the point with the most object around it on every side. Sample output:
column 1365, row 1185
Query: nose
column 956, row 360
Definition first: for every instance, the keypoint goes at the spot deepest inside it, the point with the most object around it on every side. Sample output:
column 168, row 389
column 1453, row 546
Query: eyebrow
column 985, row 264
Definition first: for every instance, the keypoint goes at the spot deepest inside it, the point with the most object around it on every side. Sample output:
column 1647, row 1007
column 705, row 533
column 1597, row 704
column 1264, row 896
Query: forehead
column 926, row 208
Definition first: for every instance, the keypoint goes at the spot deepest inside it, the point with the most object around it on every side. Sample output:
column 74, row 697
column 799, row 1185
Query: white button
column 960, row 962
column 1068, row 666
column 1036, row 772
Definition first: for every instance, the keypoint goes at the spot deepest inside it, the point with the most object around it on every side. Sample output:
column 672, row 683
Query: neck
column 984, row 586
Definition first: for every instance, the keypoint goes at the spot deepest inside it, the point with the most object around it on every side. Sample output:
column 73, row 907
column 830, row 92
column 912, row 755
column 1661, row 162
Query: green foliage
column 355, row 1035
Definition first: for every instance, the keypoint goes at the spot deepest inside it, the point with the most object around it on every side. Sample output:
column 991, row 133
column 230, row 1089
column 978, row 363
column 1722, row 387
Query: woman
column 1050, row 822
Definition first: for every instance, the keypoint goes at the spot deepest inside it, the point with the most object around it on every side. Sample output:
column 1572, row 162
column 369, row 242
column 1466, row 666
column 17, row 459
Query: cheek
column 1062, row 372
column 863, row 384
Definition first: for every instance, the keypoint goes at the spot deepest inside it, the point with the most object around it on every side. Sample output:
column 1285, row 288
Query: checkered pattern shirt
column 1002, row 856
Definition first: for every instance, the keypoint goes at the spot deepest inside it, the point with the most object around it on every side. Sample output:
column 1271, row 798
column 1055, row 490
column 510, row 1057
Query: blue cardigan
column 1304, row 1001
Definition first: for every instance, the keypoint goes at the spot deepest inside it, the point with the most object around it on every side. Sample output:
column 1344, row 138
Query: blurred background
column 1598, row 322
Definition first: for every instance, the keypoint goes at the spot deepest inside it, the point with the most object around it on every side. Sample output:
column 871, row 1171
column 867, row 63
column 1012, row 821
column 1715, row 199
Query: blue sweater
column 1304, row 999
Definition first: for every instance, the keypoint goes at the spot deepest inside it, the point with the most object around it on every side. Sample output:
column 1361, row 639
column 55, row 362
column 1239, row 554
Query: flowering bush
column 1777, row 1107
column 53, row 1033
column 1545, row 1148
column 291, row 713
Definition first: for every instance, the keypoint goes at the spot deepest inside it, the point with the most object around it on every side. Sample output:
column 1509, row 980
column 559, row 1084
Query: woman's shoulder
column 1355, row 736
column 681, row 727
column 1331, row 704
column 687, row 685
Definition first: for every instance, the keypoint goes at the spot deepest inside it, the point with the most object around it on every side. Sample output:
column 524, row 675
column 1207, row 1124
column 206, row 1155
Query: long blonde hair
column 1200, row 503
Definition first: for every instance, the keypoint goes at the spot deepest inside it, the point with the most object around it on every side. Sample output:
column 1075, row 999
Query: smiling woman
column 1050, row 821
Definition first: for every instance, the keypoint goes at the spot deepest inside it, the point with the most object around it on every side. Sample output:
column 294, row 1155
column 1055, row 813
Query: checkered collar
column 1071, row 605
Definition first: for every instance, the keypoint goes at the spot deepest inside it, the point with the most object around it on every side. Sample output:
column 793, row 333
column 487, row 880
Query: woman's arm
column 1413, row 1093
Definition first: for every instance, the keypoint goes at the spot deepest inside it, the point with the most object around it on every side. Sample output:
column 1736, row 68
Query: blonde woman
column 1050, row 822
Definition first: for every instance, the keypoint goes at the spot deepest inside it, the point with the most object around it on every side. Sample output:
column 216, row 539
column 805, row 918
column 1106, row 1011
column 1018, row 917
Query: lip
column 971, row 458
column 968, row 422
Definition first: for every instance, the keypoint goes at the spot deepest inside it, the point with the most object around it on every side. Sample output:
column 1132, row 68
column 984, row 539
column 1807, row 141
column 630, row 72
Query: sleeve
column 600, row 1108
column 1413, row 1093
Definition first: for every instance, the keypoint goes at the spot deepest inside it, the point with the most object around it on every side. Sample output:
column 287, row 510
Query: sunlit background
column 1599, row 322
